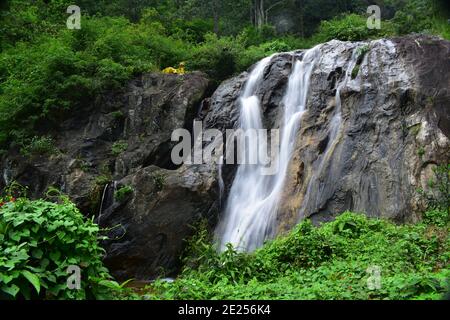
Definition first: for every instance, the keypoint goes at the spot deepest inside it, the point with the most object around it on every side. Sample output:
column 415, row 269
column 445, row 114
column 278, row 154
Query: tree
column 261, row 12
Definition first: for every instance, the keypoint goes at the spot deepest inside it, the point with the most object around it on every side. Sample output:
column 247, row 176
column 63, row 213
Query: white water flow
column 101, row 204
column 333, row 136
column 252, row 206
column 221, row 182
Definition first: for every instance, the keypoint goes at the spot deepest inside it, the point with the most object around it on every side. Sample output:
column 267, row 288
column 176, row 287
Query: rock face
column 395, row 120
column 395, row 128
column 395, row 115
column 125, row 139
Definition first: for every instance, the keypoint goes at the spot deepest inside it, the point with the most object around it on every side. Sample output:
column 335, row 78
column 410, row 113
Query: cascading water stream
column 107, row 197
column 220, row 179
column 254, row 197
column 333, row 136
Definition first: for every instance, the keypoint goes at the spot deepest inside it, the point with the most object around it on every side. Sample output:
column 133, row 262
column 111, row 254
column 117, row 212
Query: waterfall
column 313, row 189
column 250, row 214
column 101, row 204
column 107, row 199
column 220, row 179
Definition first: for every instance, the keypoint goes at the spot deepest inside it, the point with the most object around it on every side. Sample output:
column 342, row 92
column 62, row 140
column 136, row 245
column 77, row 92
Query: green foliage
column 159, row 180
column 48, row 72
column 351, row 27
column 39, row 146
column 103, row 180
column 256, row 53
column 118, row 115
column 414, row 17
column 329, row 262
column 123, row 193
column 119, row 147
column 421, row 152
column 437, row 217
column 40, row 82
column 39, row 240
column 362, row 51
column 216, row 56
column 355, row 71
column 437, row 195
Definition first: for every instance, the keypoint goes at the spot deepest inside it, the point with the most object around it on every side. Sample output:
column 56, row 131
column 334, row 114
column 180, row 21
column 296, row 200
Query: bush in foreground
column 338, row 260
column 39, row 240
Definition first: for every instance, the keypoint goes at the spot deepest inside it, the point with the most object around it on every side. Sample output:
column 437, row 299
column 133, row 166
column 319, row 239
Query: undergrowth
column 42, row 243
column 333, row 261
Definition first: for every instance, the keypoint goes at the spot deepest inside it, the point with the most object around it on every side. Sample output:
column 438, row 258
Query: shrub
column 437, row 195
column 437, row 217
column 119, row 147
column 415, row 16
column 123, row 193
column 39, row 240
column 39, row 146
column 252, row 36
column 216, row 56
column 351, row 27
column 327, row 262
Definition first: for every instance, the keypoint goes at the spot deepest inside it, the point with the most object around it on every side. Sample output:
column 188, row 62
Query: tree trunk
column 302, row 18
column 260, row 14
column 216, row 16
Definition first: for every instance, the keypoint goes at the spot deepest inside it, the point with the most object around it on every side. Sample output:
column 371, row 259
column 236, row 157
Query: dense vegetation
column 335, row 261
column 47, row 70
column 40, row 241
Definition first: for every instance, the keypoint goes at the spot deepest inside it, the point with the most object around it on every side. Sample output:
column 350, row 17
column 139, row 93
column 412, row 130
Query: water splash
column 250, row 215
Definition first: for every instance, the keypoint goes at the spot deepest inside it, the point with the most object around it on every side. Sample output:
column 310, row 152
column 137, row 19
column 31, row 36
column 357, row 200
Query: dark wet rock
column 127, row 135
column 149, row 228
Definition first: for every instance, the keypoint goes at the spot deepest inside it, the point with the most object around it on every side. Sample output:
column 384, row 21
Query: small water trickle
column 334, row 133
column 105, row 190
column 7, row 174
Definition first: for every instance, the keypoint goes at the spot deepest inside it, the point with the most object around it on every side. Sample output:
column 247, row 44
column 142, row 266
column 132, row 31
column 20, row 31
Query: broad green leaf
column 11, row 290
column 34, row 280
column 37, row 253
column 55, row 256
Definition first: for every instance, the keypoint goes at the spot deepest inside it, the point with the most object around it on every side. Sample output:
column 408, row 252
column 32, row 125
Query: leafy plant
column 39, row 240
column 118, row 115
column 437, row 195
column 437, row 217
column 421, row 152
column 119, row 147
column 159, row 180
column 39, row 146
column 123, row 193
column 326, row 262
column 350, row 27
column 355, row 71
